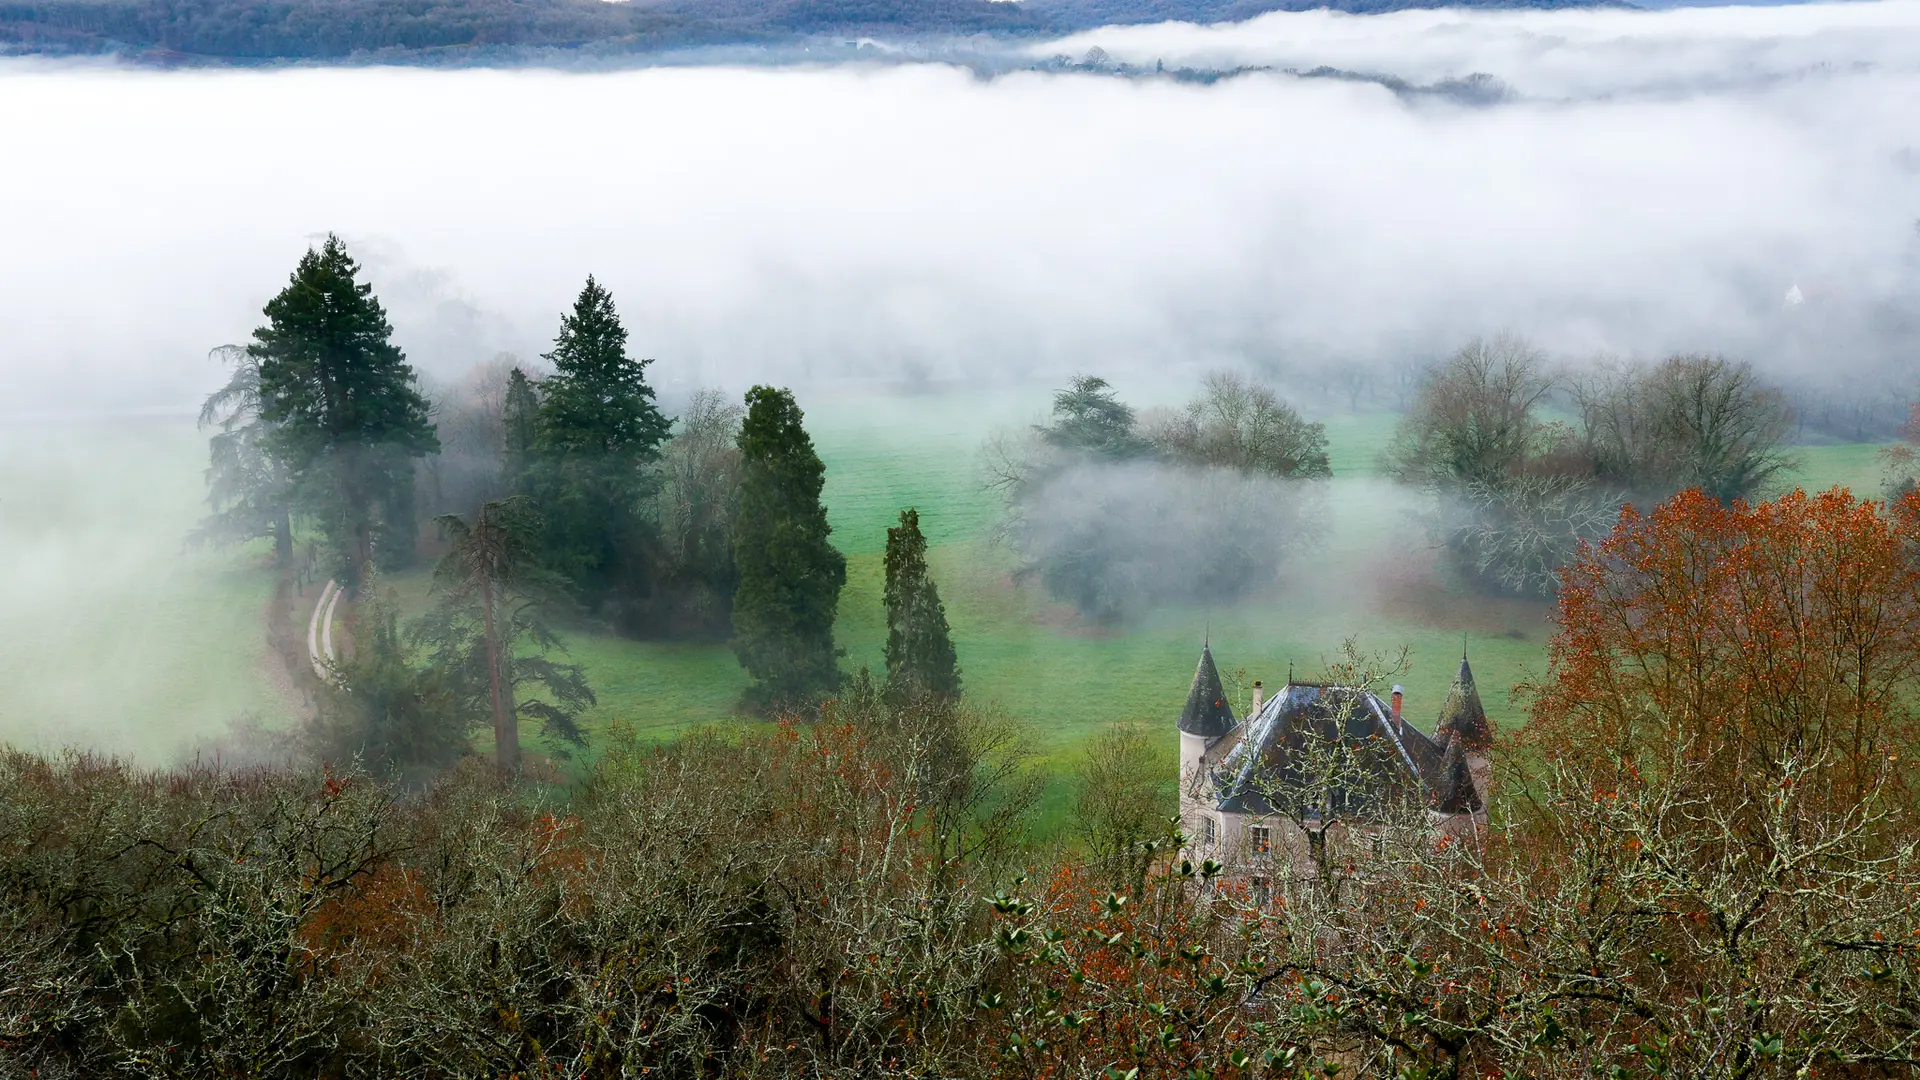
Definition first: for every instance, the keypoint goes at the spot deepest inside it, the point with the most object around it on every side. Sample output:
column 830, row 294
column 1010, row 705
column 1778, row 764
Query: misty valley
column 1074, row 540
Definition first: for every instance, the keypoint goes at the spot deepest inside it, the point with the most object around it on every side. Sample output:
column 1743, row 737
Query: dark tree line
column 454, row 31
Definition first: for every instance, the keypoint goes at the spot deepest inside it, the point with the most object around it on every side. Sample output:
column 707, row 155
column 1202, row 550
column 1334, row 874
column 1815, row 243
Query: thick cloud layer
column 1657, row 181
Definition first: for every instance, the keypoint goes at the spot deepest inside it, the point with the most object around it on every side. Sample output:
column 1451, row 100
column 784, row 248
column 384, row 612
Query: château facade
column 1315, row 757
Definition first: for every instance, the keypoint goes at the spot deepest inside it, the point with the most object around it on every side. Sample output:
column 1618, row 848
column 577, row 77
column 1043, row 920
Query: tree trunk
column 283, row 540
column 506, row 734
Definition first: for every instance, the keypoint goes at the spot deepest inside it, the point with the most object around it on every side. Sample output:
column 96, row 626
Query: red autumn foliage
column 1736, row 637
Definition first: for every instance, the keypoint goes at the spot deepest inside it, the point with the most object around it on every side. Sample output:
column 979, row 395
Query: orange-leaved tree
column 1729, row 639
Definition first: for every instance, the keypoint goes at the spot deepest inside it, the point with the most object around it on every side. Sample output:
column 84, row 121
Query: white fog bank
column 1657, row 181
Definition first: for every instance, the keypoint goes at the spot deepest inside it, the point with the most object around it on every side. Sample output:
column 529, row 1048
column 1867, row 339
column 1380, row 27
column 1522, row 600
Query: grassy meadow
column 117, row 635
column 1374, row 579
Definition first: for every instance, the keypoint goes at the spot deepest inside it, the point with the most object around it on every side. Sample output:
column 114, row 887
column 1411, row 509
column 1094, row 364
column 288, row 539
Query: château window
column 1260, row 890
column 1261, row 837
column 1206, row 832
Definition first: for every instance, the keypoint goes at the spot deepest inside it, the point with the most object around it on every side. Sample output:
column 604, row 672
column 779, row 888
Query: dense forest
column 430, row 31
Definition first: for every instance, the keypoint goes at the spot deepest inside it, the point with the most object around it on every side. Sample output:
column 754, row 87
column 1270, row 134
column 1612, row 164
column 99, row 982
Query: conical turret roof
column 1207, row 713
column 1463, row 715
column 1453, row 793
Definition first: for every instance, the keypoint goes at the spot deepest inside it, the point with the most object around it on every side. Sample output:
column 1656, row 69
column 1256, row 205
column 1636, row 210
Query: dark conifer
column 598, row 431
column 597, row 402
column 790, row 576
column 919, row 651
column 344, row 407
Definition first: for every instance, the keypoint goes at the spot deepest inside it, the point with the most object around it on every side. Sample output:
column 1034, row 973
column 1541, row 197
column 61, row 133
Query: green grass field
column 1374, row 580
column 117, row 636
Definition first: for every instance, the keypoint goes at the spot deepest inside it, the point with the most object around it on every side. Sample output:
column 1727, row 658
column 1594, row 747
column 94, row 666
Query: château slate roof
column 1385, row 754
column 1462, row 715
column 1207, row 713
column 1273, row 756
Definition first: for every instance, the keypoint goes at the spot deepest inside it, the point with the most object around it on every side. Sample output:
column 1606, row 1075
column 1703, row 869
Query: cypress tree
column 343, row 406
column 919, row 652
column 789, row 575
column 598, row 430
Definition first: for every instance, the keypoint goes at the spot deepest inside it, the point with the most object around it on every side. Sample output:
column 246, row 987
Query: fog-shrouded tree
column 519, row 427
column 1900, row 463
column 1089, row 418
column 696, row 506
column 492, row 587
column 249, row 489
column 1113, row 525
column 469, row 416
column 920, row 657
column 345, row 414
column 1690, row 421
column 1722, row 426
column 1239, row 424
column 1474, row 419
column 790, row 574
column 598, row 432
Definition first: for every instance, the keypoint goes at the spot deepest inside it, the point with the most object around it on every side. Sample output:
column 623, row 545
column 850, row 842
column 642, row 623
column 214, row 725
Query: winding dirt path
column 320, row 631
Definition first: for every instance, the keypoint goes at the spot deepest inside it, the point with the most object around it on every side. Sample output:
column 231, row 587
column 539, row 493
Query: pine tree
column 598, row 431
column 790, row 576
column 343, row 406
column 919, row 652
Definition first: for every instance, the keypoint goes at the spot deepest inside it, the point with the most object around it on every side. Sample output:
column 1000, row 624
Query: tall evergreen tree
column 919, row 652
column 598, row 430
column 790, row 576
column 343, row 406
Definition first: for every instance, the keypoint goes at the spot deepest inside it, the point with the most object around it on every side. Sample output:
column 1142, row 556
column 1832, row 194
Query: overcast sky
column 1657, row 181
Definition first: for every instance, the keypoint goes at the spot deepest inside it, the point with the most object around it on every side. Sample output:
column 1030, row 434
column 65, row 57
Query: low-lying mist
column 1732, row 180
column 791, row 224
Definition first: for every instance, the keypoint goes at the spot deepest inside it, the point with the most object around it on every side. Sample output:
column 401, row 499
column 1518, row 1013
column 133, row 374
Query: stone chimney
column 1259, row 696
